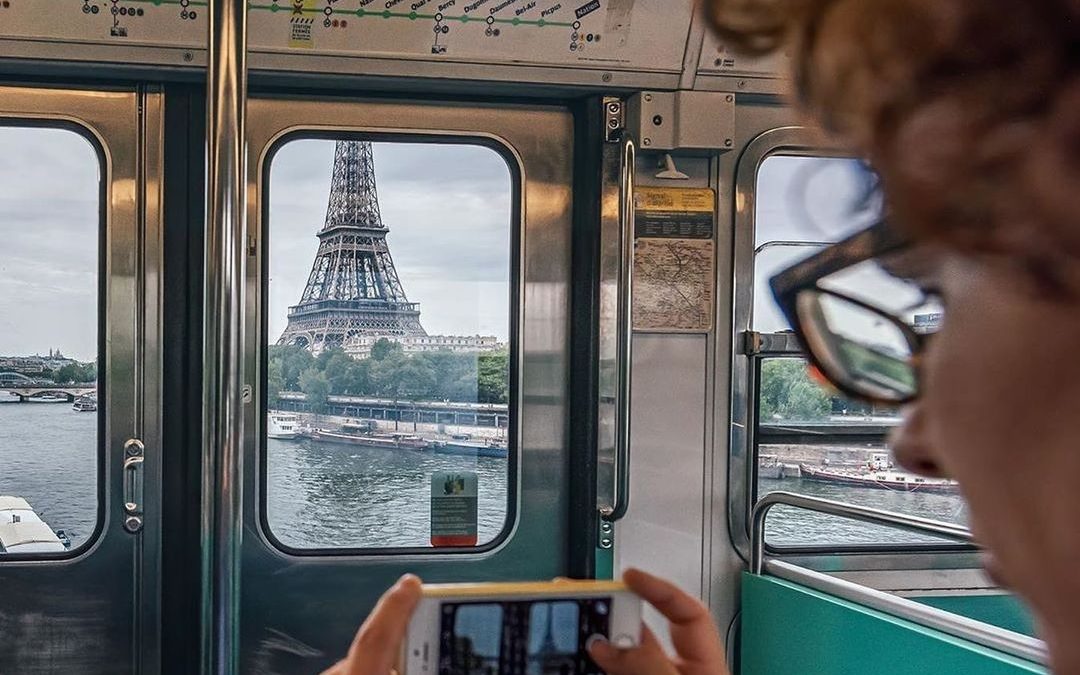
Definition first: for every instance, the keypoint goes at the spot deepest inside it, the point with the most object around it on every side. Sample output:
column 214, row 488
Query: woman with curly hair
column 969, row 111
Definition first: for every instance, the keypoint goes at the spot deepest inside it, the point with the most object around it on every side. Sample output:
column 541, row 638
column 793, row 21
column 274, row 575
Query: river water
column 323, row 495
column 327, row 495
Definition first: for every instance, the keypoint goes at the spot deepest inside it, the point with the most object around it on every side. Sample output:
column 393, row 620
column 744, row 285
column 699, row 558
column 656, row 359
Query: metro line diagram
column 334, row 16
column 304, row 16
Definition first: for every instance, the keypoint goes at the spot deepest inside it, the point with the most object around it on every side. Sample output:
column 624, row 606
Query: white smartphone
column 517, row 628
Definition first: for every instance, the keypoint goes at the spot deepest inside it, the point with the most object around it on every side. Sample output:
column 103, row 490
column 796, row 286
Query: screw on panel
column 189, row 57
column 742, row 84
column 728, row 142
column 647, row 141
column 133, row 524
column 614, row 107
column 606, row 77
column 658, row 120
column 729, row 98
column 613, row 123
column 648, row 97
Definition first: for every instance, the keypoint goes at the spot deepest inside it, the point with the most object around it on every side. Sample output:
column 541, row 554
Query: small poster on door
column 454, row 508
column 674, row 259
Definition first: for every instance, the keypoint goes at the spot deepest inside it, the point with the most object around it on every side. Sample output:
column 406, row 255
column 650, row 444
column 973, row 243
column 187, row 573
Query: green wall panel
column 788, row 629
column 998, row 609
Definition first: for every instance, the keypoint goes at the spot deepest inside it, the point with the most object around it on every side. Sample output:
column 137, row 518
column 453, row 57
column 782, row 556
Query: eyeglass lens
column 857, row 346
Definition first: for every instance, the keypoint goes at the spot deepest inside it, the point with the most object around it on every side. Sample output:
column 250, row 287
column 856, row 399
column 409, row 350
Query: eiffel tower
column 353, row 288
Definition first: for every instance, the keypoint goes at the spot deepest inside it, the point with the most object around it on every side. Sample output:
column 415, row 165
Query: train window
column 802, row 204
column 388, row 321
column 810, row 439
column 51, row 224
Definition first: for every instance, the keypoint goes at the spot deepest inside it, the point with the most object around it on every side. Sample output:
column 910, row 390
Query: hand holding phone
column 518, row 629
column 694, row 635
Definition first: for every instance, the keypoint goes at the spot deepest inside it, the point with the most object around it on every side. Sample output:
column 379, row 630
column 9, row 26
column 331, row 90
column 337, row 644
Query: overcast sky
column 447, row 206
column 448, row 210
column 49, row 202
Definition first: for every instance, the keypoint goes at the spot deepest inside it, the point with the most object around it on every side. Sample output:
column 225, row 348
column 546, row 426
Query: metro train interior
column 297, row 296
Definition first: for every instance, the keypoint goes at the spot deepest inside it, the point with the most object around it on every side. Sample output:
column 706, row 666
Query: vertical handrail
column 865, row 514
column 223, row 336
column 621, row 497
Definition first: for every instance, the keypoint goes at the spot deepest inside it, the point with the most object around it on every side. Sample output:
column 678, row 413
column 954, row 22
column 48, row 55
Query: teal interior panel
column 998, row 609
column 789, row 629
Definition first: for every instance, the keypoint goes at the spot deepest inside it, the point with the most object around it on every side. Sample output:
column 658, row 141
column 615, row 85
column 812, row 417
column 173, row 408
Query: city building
column 359, row 346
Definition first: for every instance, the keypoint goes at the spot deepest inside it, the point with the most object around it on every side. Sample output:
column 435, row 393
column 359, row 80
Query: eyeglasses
column 865, row 351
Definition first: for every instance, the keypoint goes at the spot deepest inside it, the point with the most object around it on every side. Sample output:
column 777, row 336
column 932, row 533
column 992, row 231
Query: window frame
column 416, row 137
column 101, row 153
column 751, row 347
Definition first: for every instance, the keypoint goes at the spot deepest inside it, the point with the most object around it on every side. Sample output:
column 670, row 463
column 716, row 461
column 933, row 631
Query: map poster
column 674, row 260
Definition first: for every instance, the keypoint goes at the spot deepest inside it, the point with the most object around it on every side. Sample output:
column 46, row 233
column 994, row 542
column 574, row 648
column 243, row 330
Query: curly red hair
column 968, row 109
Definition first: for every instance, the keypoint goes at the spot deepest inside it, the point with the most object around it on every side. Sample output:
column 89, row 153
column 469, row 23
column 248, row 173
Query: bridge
column 28, row 388
column 420, row 412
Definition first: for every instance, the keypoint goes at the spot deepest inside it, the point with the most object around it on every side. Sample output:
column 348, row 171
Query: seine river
column 326, row 495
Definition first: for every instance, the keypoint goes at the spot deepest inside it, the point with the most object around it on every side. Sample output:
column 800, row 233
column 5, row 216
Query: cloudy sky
column 49, row 203
column 447, row 206
column 448, row 210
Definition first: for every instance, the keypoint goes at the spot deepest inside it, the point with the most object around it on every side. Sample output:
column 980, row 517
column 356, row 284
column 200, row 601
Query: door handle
column 134, row 453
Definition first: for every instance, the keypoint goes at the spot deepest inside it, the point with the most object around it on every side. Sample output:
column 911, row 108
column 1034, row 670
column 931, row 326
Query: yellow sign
column 685, row 200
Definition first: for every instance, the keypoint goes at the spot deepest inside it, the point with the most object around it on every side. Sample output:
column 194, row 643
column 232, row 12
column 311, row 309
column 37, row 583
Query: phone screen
column 530, row 637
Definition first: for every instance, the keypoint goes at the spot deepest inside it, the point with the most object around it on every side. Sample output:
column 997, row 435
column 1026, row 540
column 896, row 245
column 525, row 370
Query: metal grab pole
column 625, row 336
column 223, row 337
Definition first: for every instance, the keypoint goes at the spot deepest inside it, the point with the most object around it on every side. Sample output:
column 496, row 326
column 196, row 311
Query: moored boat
column 372, row 440
column 896, row 481
column 23, row 531
column 471, row 448
column 282, row 426
column 87, row 403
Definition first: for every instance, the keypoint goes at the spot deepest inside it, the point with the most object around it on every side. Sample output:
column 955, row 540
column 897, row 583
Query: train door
column 408, row 332
column 79, row 462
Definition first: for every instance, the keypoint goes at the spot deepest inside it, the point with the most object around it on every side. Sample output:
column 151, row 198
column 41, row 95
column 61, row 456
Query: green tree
column 75, row 373
column 787, row 392
column 493, row 377
column 275, row 381
column 336, row 364
column 294, row 361
column 357, row 379
column 415, row 379
column 455, row 374
column 384, row 349
column 316, row 388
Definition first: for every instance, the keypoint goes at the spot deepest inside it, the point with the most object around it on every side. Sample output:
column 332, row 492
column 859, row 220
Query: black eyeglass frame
column 877, row 240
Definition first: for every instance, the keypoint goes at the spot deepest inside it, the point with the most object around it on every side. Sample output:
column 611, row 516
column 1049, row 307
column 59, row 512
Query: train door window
column 808, row 438
column 51, row 224
column 388, row 325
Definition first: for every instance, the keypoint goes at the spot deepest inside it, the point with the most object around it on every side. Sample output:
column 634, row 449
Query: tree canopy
column 787, row 392
column 390, row 373
column 75, row 373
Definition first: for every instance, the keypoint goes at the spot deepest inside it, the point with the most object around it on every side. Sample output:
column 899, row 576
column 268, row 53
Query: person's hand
column 698, row 650
column 377, row 645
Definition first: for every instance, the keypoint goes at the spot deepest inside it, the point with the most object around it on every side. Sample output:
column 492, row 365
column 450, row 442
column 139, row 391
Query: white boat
column 282, row 426
column 86, row 403
column 23, row 531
